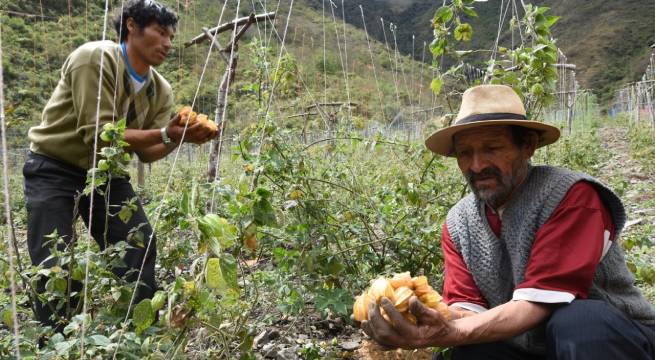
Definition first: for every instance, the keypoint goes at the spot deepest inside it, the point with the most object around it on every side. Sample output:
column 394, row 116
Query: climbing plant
column 528, row 67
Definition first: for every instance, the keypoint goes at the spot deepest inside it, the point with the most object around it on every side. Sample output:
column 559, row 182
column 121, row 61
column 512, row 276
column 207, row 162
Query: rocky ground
column 639, row 182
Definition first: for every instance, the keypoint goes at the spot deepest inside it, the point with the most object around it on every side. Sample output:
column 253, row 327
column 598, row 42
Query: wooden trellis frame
column 637, row 97
column 230, row 55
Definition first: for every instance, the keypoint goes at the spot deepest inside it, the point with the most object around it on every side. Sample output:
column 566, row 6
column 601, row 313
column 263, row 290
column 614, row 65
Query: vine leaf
column 263, row 212
column 143, row 316
column 435, row 85
column 443, row 14
column 214, row 274
column 217, row 232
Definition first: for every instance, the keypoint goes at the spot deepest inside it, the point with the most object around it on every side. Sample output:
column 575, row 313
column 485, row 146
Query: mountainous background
column 608, row 40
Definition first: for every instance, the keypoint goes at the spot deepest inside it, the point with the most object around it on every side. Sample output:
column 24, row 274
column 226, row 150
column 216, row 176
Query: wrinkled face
column 491, row 163
column 152, row 43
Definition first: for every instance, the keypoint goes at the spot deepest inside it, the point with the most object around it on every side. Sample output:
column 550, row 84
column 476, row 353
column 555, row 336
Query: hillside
column 608, row 40
column 36, row 46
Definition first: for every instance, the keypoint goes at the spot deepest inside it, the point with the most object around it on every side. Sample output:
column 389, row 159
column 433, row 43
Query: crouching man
column 533, row 266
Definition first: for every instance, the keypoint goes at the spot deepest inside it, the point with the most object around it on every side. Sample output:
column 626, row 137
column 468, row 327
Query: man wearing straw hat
column 533, row 267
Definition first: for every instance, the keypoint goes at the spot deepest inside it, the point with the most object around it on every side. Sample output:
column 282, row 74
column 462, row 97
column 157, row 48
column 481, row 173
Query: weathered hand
column 431, row 328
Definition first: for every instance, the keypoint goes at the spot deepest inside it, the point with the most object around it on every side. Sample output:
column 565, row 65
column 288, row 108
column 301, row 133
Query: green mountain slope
column 35, row 46
column 609, row 41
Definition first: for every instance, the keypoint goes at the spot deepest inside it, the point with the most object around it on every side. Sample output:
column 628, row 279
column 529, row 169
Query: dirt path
column 635, row 182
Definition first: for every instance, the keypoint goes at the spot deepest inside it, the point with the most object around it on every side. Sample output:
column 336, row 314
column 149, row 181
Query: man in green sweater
column 62, row 146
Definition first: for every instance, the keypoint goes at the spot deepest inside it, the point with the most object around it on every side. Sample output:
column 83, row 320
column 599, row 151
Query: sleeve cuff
column 543, row 296
column 470, row 306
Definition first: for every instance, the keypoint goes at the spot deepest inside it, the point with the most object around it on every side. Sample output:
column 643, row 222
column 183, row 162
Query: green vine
column 529, row 68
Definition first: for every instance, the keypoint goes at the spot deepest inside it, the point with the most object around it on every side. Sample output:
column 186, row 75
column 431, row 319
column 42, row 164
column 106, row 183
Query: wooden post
column 228, row 76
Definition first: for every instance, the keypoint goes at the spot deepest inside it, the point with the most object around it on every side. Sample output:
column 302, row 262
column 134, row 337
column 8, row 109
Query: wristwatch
column 165, row 139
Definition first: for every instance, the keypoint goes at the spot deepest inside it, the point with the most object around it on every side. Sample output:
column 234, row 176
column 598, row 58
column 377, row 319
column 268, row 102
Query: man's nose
column 478, row 163
column 167, row 43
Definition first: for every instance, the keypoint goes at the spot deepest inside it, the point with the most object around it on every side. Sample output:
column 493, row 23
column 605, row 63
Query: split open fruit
column 399, row 289
column 187, row 115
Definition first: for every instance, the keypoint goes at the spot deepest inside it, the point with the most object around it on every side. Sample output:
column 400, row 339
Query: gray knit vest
column 498, row 264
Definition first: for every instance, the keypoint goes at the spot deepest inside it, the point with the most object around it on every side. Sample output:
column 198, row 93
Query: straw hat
column 487, row 105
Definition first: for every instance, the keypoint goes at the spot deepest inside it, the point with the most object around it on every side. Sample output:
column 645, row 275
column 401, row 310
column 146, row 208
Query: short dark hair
column 521, row 135
column 143, row 12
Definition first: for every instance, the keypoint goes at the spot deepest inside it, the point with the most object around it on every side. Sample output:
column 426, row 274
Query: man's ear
column 131, row 25
column 531, row 145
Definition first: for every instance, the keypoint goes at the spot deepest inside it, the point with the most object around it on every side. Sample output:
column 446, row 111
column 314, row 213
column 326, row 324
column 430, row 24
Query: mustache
column 485, row 173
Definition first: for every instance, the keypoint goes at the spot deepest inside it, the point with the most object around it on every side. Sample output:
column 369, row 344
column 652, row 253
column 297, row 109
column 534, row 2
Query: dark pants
column 582, row 330
column 50, row 190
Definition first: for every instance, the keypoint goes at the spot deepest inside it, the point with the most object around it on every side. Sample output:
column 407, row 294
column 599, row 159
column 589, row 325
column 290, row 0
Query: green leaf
column 105, row 137
column 103, row 165
column 125, row 214
column 263, row 211
column 158, row 300
column 8, row 318
column 185, row 205
column 214, row 274
column 435, row 85
column 551, row 20
column 63, row 347
column 78, row 273
column 443, row 14
column 229, row 270
column 541, row 10
column 468, row 10
column 438, row 46
column 99, row 340
column 537, row 89
column 463, row 32
column 121, row 124
column 143, row 316
column 217, row 231
column 57, row 285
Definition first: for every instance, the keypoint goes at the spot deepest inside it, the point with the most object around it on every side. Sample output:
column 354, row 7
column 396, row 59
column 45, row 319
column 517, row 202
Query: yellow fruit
column 187, row 114
column 430, row 299
column 402, row 295
column 384, row 315
column 380, row 288
column 248, row 168
column 443, row 309
column 360, row 308
column 419, row 281
column 423, row 289
column 402, row 279
column 202, row 118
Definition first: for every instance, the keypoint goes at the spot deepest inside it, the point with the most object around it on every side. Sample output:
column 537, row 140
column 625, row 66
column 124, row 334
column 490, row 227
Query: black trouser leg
column 489, row 351
column 50, row 190
column 581, row 330
column 119, row 192
column 595, row 330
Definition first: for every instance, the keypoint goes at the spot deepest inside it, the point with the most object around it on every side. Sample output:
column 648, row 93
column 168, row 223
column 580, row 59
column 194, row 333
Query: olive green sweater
column 68, row 124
